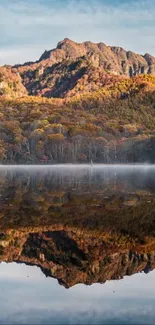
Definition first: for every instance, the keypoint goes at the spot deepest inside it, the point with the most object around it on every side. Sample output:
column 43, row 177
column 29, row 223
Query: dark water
column 77, row 245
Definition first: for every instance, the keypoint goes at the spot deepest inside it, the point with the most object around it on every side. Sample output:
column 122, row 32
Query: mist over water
column 131, row 176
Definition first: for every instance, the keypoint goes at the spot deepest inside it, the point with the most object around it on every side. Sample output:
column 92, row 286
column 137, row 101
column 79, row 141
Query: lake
column 77, row 244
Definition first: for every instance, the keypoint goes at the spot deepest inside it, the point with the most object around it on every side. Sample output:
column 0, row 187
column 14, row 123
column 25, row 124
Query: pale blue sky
column 28, row 297
column 29, row 27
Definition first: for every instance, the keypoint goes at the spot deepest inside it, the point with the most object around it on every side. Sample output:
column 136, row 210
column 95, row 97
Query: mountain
column 74, row 68
column 79, row 102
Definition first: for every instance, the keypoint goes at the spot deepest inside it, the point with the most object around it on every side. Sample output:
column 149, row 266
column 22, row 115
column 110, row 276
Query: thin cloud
column 28, row 28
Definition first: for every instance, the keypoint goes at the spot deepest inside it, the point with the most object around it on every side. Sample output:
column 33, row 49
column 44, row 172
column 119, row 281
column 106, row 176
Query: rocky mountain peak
column 71, row 68
column 64, row 42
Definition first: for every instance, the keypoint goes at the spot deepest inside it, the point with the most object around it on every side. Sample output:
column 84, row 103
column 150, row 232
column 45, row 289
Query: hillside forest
column 70, row 106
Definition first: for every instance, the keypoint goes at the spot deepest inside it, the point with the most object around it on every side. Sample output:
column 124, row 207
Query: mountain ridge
column 83, row 49
column 72, row 68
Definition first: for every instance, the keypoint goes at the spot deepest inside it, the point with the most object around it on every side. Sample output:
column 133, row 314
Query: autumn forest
column 77, row 103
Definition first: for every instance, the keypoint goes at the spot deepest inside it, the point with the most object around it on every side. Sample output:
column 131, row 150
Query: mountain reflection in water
column 79, row 224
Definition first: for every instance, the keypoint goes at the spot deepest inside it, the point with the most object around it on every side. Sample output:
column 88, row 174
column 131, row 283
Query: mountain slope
column 72, row 68
column 11, row 83
column 80, row 108
column 113, row 124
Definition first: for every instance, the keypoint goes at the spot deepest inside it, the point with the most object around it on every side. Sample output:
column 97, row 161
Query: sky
column 28, row 297
column 29, row 27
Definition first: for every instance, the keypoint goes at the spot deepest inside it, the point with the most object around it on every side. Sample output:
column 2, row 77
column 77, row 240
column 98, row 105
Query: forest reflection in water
column 78, row 225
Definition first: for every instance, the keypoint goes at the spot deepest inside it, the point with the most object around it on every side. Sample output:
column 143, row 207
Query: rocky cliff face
column 72, row 68
column 114, row 59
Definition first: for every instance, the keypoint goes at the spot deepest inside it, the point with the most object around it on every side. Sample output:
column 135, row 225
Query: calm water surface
column 77, row 244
